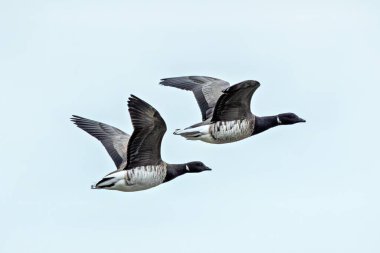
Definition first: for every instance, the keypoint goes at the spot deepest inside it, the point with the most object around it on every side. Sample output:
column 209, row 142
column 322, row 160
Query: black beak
column 301, row 120
column 207, row 168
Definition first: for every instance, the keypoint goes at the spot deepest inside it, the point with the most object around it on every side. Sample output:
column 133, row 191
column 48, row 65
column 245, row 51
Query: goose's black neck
column 174, row 170
column 264, row 123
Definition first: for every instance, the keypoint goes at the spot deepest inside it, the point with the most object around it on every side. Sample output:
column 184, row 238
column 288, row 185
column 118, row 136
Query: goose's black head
column 288, row 119
column 195, row 167
column 175, row 170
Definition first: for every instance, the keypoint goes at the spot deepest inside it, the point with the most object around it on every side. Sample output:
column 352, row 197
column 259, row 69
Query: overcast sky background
column 310, row 187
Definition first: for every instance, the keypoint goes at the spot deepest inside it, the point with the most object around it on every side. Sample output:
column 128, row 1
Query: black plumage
column 235, row 102
column 144, row 147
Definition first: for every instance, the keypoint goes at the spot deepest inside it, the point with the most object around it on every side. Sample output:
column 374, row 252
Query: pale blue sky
column 305, row 188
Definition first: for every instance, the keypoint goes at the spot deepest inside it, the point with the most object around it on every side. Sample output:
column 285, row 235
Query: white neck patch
column 278, row 120
column 187, row 168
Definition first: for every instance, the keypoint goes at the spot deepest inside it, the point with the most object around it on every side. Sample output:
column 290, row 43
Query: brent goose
column 137, row 157
column 226, row 111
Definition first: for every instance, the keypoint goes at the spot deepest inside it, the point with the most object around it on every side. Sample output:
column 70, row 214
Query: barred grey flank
column 149, row 176
column 231, row 131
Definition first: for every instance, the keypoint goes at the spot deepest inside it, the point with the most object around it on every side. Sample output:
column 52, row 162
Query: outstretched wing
column 235, row 103
column 114, row 140
column 144, row 147
column 206, row 90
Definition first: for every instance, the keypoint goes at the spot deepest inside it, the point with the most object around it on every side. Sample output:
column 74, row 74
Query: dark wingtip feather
column 143, row 115
column 181, row 82
column 162, row 81
column 80, row 121
column 133, row 98
column 76, row 119
column 165, row 81
column 242, row 85
column 135, row 102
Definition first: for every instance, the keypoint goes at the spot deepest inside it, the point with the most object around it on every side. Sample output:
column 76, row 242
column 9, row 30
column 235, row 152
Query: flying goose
column 137, row 157
column 226, row 110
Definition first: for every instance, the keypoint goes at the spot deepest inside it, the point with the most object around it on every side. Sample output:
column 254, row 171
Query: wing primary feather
column 144, row 147
column 114, row 140
column 235, row 103
column 206, row 90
